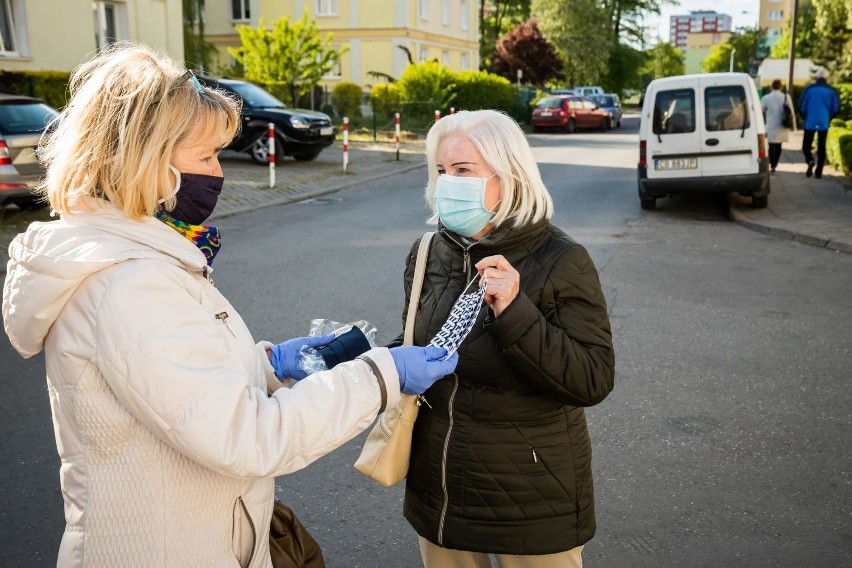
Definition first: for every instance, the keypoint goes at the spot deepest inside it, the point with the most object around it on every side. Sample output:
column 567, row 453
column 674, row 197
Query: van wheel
column 759, row 202
column 618, row 124
column 571, row 127
column 649, row 204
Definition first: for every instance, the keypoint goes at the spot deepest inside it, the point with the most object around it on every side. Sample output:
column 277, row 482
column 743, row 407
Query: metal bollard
column 345, row 144
column 396, row 128
column 271, row 155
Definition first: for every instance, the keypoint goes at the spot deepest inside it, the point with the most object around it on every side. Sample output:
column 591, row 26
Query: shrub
column 49, row 86
column 426, row 87
column 386, row 99
column 346, row 99
column 837, row 123
column 479, row 89
column 845, row 92
column 839, row 149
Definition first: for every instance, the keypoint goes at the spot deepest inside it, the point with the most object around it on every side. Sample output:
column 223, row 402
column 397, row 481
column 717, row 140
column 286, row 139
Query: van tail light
column 5, row 159
column 643, row 150
column 761, row 146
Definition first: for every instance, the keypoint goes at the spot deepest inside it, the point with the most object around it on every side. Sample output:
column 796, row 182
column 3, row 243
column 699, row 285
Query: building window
column 445, row 12
column 424, row 53
column 465, row 62
column 326, row 8
column 110, row 19
column 423, row 9
column 445, row 58
column 465, row 15
column 8, row 42
column 240, row 10
column 335, row 72
column 775, row 15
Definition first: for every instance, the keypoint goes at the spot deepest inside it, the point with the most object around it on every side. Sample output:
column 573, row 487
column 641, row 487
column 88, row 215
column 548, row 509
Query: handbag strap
column 416, row 287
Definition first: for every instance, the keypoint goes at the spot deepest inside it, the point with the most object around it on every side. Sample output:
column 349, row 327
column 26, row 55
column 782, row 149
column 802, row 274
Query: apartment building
column 59, row 34
column 773, row 18
column 696, row 22
column 373, row 30
column 698, row 47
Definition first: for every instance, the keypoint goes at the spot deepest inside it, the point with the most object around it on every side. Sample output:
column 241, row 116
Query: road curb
column 780, row 233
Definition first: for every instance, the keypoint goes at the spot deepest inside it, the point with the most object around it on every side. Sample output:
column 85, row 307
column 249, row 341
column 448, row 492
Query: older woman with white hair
column 501, row 456
column 170, row 421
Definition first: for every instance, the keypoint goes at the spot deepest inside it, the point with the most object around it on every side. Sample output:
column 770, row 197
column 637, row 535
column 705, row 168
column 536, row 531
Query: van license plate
column 546, row 113
column 676, row 164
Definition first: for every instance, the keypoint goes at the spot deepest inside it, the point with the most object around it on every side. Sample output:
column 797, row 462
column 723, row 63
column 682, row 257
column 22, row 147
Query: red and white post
column 345, row 144
column 396, row 130
column 452, row 110
column 437, row 115
column 271, row 155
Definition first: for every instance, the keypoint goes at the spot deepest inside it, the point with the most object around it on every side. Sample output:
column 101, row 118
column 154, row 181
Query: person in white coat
column 171, row 422
column 773, row 104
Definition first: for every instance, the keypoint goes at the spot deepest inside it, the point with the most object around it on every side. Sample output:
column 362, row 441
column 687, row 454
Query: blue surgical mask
column 460, row 202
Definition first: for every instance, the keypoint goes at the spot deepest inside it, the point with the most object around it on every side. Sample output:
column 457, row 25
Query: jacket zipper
column 466, row 250
column 446, row 496
column 223, row 317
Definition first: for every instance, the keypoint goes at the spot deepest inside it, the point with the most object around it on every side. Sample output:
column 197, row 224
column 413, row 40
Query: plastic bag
column 311, row 360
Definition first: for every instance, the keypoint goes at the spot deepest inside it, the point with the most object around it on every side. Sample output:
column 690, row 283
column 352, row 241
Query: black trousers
column 807, row 148
column 774, row 154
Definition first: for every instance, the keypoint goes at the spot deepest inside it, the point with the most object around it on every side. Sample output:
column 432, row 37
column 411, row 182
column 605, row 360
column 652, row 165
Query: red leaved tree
column 526, row 49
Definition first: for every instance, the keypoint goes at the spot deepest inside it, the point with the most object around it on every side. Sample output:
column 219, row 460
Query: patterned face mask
column 461, row 320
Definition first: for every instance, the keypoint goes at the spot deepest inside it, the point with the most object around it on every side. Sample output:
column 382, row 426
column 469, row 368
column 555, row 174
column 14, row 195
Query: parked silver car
column 22, row 122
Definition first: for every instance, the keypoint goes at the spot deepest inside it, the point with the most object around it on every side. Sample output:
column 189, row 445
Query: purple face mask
column 196, row 197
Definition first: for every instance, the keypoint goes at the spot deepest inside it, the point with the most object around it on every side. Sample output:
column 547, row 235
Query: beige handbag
column 387, row 450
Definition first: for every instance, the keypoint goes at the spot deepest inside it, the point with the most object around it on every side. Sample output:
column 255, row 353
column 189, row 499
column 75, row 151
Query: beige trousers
column 435, row 556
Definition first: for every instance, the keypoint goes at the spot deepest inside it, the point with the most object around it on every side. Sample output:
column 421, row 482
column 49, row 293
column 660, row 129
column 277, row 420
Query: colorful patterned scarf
column 205, row 237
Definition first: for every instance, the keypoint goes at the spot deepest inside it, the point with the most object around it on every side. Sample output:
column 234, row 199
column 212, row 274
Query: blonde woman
column 501, row 457
column 170, row 421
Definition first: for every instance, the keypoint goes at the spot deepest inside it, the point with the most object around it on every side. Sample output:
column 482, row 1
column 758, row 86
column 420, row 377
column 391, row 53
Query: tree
column 663, row 60
column 805, row 33
column 526, row 49
column 293, row 55
column 748, row 43
column 833, row 45
column 426, row 87
column 197, row 52
column 622, row 73
column 497, row 17
column 580, row 31
column 626, row 17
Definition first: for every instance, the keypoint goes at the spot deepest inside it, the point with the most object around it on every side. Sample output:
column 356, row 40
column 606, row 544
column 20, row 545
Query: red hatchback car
column 569, row 113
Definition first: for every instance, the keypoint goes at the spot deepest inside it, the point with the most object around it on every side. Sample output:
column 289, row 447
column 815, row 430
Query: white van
column 702, row 132
column 586, row 91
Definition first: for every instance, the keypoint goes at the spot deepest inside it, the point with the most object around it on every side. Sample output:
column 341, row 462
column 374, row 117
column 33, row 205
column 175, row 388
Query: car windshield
column 550, row 103
column 254, row 96
column 24, row 117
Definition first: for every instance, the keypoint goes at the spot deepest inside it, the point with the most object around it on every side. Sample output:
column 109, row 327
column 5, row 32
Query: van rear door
column 673, row 147
column 729, row 135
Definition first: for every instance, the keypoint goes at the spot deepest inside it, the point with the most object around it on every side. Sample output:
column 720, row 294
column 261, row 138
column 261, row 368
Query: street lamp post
column 733, row 52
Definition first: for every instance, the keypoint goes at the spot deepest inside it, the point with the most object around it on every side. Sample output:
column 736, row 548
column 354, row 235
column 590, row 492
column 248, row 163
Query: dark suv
column 22, row 121
column 298, row 132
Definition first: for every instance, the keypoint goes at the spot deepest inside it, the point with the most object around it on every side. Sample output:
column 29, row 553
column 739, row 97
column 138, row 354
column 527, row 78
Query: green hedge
column 49, row 86
column 839, row 149
column 477, row 90
column 346, row 99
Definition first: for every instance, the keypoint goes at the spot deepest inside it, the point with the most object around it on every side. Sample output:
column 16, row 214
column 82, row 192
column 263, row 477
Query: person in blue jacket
column 820, row 103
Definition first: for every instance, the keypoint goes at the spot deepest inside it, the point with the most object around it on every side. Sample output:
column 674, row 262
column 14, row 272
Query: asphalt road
column 724, row 443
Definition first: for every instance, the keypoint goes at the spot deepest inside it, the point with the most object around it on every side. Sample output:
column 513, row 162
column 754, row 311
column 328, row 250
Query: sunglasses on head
column 188, row 76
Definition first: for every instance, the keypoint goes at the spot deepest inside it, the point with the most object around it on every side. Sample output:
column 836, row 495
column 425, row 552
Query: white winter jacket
column 168, row 438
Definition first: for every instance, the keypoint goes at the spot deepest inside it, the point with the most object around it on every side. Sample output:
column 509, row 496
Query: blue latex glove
column 419, row 367
column 286, row 357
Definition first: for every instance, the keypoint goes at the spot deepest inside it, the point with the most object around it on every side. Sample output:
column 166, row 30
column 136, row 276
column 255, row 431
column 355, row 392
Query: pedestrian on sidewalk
column 171, row 423
column 501, row 455
column 774, row 104
column 820, row 103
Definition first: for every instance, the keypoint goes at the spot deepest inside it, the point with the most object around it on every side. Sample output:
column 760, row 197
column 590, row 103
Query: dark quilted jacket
column 501, row 462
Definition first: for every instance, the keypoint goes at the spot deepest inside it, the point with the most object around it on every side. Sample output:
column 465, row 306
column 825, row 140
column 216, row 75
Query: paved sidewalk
column 813, row 211
column 247, row 184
